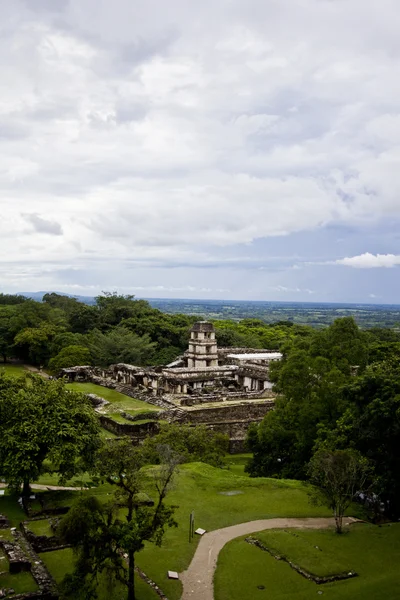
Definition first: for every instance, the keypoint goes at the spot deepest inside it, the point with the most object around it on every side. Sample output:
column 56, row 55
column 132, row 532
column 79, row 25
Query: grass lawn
column 373, row 552
column 20, row 582
column 41, row 527
column 201, row 488
column 10, row 507
column 7, row 536
column 198, row 488
column 117, row 401
column 60, row 563
column 237, row 462
column 14, row 370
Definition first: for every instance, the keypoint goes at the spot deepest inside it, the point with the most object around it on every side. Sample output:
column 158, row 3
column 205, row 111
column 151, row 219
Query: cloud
column 41, row 225
column 290, row 290
column 184, row 139
column 370, row 261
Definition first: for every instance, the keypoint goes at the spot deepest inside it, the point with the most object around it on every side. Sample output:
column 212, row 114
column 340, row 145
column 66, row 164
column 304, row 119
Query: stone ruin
column 225, row 388
column 22, row 557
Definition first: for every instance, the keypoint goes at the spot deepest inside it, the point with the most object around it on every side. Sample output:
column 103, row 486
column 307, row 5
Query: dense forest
column 60, row 331
column 338, row 390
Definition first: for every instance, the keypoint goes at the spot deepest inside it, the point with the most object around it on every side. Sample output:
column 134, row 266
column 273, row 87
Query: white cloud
column 291, row 290
column 169, row 131
column 370, row 261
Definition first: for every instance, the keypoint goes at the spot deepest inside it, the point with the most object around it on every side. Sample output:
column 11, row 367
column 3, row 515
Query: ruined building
column 224, row 388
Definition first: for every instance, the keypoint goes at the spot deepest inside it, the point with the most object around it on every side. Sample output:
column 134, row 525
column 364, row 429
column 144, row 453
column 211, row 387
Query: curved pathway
column 198, row 582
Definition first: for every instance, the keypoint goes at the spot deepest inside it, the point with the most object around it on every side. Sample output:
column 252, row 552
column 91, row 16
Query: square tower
column 202, row 352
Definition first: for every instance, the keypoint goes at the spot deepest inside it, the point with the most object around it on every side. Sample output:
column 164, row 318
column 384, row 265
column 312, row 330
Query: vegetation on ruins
column 107, row 536
column 43, row 425
column 339, row 388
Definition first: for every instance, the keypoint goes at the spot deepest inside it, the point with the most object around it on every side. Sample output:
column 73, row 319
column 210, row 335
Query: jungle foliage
column 61, row 332
column 339, row 389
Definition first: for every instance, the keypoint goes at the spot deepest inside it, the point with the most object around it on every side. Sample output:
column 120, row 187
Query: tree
column 113, row 308
column 83, row 318
column 40, row 420
column 71, row 356
column 119, row 345
column 190, row 444
column 99, row 536
column 10, row 299
column 371, row 424
column 337, row 476
column 34, row 343
column 282, row 444
column 6, row 335
column 61, row 301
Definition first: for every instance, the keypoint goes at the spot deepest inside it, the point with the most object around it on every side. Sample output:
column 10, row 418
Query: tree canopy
column 338, row 389
column 42, row 421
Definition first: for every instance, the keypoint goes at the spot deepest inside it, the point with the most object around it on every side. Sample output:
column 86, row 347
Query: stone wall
column 41, row 543
column 245, row 411
column 137, row 431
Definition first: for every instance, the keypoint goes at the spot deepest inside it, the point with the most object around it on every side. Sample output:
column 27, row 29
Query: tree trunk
column 339, row 522
column 26, row 490
column 131, row 575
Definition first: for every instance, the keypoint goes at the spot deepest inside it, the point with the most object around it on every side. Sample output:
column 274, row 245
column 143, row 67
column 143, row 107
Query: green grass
column 237, row 462
column 105, row 434
column 118, row 418
column 10, row 507
column 60, row 562
column 299, row 549
column 6, row 535
column 117, row 401
column 198, row 488
column 41, row 527
column 373, row 552
column 13, row 370
column 20, row 582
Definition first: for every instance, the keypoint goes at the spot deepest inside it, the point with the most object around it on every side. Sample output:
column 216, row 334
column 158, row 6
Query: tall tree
column 337, row 476
column 100, row 537
column 371, row 424
column 70, row 356
column 119, row 345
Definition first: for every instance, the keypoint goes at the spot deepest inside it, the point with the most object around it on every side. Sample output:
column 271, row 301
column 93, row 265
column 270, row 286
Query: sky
column 214, row 149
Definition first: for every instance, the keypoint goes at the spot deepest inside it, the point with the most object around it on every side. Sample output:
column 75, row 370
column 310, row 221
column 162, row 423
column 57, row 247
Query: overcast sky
column 214, row 149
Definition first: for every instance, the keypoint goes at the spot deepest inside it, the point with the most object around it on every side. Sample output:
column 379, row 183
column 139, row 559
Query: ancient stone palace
column 224, row 388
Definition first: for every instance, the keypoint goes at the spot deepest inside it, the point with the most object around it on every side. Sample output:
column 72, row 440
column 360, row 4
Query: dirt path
column 197, row 581
column 36, row 371
column 38, row 486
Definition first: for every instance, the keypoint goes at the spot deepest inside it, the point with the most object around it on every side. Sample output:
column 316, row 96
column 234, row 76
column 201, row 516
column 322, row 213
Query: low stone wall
column 16, row 557
column 195, row 399
column 151, row 415
column 137, row 431
column 303, row 572
column 47, row 586
column 230, row 412
column 41, row 543
column 4, row 522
